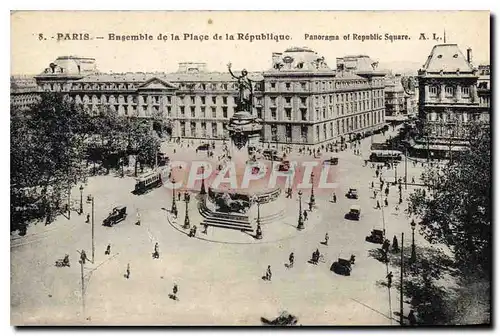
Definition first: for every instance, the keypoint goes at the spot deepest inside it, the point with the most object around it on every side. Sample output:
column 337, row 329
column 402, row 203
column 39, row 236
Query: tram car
column 147, row 182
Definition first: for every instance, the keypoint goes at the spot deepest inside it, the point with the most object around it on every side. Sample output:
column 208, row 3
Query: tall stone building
column 448, row 101
column 300, row 100
column 23, row 91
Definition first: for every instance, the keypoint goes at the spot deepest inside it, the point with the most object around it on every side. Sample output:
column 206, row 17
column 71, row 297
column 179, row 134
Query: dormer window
column 455, row 56
column 439, row 56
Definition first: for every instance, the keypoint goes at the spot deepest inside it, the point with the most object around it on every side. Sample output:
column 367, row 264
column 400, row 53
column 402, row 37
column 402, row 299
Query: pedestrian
column 373, row 185
column 386, row 245
column 179, row 196
column 88, row 218
column 413, row 180
column 83, row 257
column 305, row 215
column 387, row 191
column 378, row 205
column 108, row 250
column 291, row 259
column 175, row 290
column 386, row 202
column 400, row 199
column 389, row 279
column 376, row 173
column 268, row 273
column 395, row 245
column 334, row 198
column 205, row 230
column 423, row 192
column 374, row 194
column 326, row 238
column 412, row 320
column 127, row 274
column 194, row 231
column 138, row 222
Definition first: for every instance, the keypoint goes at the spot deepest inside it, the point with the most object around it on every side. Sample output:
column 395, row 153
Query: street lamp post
column 300, row 225
column 413, row 257
column 174, row 206
column 258, row 232
column 312, row 199
column 187, row 197
column 83, row 288
column 93, row 242
column 406, row 168
column 81, row 199
column 202, row 190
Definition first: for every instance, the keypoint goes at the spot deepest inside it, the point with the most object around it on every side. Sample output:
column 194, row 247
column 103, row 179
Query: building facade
column 400, row 98
column 23, row 92
column 448, row 101
column 300, row 100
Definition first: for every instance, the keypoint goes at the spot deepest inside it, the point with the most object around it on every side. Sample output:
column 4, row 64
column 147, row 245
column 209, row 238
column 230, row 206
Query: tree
column 457, row 210
column 47, row 144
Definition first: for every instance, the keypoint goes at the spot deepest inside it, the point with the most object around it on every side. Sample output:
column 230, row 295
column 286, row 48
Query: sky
column 31, row 55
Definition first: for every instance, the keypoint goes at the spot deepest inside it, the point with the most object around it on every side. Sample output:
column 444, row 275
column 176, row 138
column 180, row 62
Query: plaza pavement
column 219, row 282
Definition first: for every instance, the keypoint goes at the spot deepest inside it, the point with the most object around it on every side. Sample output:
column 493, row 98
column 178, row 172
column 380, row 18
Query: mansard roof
column 447, row 58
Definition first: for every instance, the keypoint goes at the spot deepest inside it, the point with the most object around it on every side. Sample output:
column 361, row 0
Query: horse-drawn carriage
column 63, row 262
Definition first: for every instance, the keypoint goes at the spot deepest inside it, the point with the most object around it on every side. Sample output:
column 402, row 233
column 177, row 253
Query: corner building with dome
column 301, row 101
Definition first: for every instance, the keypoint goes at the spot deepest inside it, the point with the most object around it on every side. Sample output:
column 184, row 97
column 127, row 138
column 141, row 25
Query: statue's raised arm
column 231, row 72
column 244, row 99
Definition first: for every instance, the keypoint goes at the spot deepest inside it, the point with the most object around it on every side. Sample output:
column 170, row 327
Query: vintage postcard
column 250, row 168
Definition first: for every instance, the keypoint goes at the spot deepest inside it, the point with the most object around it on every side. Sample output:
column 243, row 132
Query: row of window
column 451, row 116
column 327, row 130
column 449, row 91
column 202, row 130
column 316, row 86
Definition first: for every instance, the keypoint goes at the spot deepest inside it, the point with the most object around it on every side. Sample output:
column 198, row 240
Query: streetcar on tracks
column 148, row 182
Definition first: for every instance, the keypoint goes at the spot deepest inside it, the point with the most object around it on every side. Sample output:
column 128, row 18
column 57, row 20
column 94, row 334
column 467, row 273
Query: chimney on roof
column 276, row 57
column 469, row 55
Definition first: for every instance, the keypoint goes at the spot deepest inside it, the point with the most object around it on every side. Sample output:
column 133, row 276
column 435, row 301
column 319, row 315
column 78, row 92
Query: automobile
column 117, row 215
column 204, row 147
column 163, row 159
column 270, row 154
column 342, row 267
column 376, row 236
column 284, row 166
column 352, row 193
column 332, row 161
column 354, row 213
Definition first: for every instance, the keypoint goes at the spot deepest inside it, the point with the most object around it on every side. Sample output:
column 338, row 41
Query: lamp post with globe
column 258, row 231
column 300, row 225
column 312, row 198
column 173, row 210
column 202, row 190
column 187, row 198
column 413, row 257
column 81, row 199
